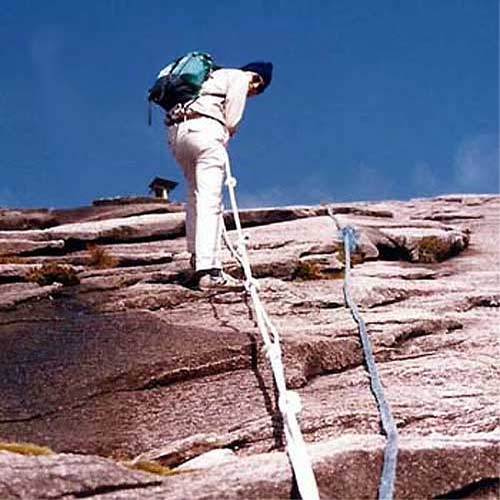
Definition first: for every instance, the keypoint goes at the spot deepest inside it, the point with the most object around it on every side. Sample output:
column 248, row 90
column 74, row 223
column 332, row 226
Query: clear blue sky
column 370, row 100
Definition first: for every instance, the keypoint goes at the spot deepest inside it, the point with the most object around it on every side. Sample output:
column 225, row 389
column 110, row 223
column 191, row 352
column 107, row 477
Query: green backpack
column 181, row 80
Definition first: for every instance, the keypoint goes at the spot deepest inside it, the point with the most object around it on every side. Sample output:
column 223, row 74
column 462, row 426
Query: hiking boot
column 218, row 280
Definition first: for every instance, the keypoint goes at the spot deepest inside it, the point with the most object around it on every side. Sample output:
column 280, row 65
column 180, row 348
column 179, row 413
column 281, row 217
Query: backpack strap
column 212, row 94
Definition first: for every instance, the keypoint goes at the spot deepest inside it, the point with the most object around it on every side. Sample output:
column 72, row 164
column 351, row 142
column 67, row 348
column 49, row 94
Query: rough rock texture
column 132, row 363
column 67, row 475
column 41, row 218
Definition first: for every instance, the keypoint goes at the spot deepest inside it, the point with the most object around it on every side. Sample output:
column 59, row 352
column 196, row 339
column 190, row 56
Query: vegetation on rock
column 356, row 258
column 50, row 273
column 431, row 249
column 100, row 258
column 10, row 259
column 25, row 448
column 151, row 467
column 306, row 270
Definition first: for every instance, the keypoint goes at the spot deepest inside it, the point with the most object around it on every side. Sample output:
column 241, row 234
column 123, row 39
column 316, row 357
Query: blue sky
column 370, row 100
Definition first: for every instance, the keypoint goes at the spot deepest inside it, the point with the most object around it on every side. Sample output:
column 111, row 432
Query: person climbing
column 198, row 135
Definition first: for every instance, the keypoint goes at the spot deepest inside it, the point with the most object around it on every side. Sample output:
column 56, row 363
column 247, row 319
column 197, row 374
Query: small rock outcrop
column 112, row 361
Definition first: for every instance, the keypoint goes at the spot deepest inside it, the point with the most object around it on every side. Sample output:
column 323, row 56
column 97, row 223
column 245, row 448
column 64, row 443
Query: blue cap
column 263, row 69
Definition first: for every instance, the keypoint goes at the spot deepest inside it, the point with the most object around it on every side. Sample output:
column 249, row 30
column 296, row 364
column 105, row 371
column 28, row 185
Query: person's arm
column 236, row 96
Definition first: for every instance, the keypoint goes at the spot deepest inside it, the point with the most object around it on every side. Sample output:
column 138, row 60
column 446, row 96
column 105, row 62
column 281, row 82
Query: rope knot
column 231, row 181
column 251, row 283
column 273, row 352
column 290, row 403
column 350, row 236
column 244, row 238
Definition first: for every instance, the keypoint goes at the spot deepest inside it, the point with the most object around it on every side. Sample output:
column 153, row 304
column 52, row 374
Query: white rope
column 288, row 401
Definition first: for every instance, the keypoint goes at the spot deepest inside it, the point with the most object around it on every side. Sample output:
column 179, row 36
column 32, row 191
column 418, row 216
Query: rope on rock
column 289, row 402
column 388, row 476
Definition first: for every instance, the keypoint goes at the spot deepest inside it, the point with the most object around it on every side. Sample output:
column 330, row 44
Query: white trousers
column 199, row 146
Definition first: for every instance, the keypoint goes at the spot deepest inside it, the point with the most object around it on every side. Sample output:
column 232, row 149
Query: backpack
column 180, row 81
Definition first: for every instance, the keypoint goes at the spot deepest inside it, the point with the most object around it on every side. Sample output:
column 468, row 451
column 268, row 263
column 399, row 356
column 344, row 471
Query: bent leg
column 183, row 154
column 190, row 176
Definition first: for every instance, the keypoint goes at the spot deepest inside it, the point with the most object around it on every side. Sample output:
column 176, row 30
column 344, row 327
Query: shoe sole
column 222, row 288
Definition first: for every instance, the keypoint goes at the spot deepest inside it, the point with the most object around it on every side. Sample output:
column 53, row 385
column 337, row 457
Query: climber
column 198, row 135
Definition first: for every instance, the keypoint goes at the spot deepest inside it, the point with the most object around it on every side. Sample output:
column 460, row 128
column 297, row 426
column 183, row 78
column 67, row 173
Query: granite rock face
column 130, row 364
column 42, row 218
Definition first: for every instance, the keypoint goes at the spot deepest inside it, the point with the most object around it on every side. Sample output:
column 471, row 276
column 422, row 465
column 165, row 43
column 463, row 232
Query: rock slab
column 145, row 367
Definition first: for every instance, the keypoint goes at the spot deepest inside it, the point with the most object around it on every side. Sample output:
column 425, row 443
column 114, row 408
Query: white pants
column 199, row 146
